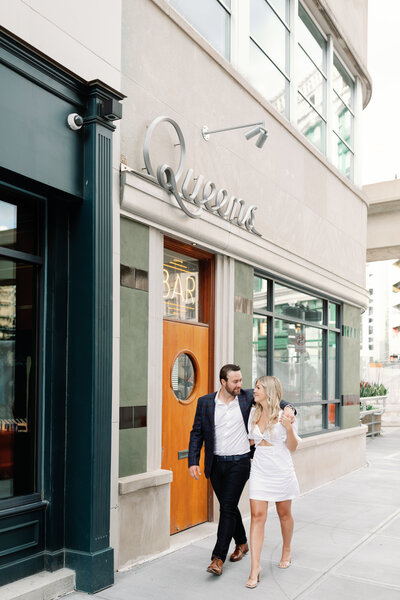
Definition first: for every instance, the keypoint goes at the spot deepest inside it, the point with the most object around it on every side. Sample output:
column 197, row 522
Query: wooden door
column 185, row 379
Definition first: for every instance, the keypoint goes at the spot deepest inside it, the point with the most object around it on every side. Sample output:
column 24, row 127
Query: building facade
column 243, row 238
column 221, row 220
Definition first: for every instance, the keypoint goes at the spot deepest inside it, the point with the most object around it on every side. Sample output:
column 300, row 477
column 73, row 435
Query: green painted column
column 89, row 396
column 351, row 366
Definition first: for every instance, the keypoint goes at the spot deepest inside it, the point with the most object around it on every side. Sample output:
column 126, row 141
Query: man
column 221, row 423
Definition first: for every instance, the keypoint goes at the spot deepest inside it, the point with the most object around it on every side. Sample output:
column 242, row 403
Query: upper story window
column 343, row 118
column 290, row 61
column 311, row 77
column 269, row 52
column 211, row 18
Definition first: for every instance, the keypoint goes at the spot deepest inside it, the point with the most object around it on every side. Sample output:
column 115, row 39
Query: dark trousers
column 228, row 479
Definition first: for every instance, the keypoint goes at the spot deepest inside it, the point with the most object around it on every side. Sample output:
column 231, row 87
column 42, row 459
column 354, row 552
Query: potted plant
column 372, row 405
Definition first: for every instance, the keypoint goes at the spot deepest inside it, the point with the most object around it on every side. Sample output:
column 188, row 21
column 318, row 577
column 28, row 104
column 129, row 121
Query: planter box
column 372, row 418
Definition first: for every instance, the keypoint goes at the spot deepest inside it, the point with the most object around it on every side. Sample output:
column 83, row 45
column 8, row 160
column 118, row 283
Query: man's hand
column 288, row 412
column 194, row 471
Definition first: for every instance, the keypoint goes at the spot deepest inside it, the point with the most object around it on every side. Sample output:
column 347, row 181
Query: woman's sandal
column 250, row 581
column 285, row 564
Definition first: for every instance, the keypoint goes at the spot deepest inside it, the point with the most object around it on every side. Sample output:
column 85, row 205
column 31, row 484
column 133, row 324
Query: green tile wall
column 134, row 307
column 132, row 451
column 351, row 363
column 243, row 323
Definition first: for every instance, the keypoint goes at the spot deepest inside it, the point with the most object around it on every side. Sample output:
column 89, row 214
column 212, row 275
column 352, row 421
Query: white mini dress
column 272, row 475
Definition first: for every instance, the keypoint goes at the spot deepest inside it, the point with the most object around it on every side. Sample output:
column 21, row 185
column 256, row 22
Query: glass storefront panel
column 180, row 287
column 333, row 315
column 298, row 361
column 18, row 225
column 259, row 359
column 332, row 415
column 18, row 385
column 297, row 305
column 332, row 394
column 260, row 294
column 309, row 419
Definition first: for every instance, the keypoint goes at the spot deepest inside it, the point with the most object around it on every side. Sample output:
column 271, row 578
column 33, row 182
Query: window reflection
column 259, row 359
column 309, row 419
column 260, row 297
column 269, row 33
column 18, row 291
column 342, row 82
column 311, row 82
column 211, row 19
column 268, row 80
column 298, row 361
column 332, row 366
column 296, row 304
column 311, row 39
column 183, row 377
column 310, row 123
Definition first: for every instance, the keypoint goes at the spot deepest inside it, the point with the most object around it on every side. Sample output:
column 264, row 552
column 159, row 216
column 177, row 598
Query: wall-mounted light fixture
column 257, row 129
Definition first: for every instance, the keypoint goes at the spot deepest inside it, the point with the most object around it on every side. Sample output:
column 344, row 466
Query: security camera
column 74, row 121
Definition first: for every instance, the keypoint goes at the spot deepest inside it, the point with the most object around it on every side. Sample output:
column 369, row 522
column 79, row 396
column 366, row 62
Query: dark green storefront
column 55, row 319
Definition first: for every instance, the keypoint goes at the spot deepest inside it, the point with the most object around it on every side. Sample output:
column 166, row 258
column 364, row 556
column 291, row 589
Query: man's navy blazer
column 204, row 426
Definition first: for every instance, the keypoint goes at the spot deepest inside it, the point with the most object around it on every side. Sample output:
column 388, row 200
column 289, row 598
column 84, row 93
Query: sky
column 381, row 118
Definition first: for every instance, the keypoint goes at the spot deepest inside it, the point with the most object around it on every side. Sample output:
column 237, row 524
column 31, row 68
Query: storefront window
column 259, row 346
column 18, row 353
column 180, row 287
column 305, row 337
column 298, row 361
column 297, row 305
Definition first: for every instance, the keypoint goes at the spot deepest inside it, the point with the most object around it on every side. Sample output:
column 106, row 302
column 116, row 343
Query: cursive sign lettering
column 195, row 196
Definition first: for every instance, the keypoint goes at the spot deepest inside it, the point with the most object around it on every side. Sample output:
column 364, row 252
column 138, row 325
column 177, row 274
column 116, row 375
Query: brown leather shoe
column 216, row 566
column 240, row 551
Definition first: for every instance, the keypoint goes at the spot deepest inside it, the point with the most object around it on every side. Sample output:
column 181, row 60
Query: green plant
column 368, row 390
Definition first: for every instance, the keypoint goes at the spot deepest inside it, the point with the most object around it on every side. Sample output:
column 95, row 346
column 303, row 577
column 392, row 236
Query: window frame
column 38, row 260
column 271, row 315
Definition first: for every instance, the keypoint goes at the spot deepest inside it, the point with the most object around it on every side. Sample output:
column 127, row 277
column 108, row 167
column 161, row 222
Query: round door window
column 183, row 377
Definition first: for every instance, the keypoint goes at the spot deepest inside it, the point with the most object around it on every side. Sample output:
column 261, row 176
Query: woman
column 272, row 477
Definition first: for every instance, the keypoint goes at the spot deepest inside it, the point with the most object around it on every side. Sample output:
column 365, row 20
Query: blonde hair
column 273, row 391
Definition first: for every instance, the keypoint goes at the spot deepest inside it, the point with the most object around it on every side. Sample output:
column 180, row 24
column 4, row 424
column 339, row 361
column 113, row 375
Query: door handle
column 183, row 454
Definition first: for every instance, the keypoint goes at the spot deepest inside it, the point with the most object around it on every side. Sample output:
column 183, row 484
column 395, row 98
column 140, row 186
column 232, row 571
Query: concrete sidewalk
column 346, row 545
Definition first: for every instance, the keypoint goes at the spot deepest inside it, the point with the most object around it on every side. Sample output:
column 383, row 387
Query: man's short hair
column 223, row 374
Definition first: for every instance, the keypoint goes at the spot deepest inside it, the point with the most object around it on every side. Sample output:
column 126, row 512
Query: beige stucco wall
column 306, row 208
column 352, row 20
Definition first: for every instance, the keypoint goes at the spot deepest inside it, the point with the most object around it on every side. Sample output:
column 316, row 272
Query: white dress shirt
column 230, row 430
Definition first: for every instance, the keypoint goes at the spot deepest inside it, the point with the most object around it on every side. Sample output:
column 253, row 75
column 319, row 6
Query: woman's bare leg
column 284, row 510
column 259, row 509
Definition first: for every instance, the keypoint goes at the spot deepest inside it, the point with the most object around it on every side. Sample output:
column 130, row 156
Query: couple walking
column 232, row 429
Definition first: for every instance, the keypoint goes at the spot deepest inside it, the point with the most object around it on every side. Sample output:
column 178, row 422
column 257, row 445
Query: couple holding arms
column 233, row 430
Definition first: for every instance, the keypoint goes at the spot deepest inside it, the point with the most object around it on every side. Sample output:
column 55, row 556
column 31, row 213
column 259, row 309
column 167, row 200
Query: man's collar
column 217, row 399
